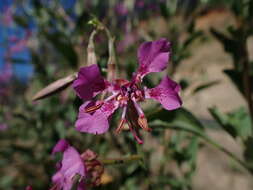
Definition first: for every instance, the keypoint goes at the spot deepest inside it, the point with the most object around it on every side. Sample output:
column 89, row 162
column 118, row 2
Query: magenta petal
column 166, row 93
column 97, row 122
column 89, row 82
column 72, row 164
column 153, row 56
column 61, row 146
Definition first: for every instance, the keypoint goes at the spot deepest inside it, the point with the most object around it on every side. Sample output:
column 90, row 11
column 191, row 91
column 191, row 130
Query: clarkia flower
column 86, row 166
column 70, row 166
column 94, row 115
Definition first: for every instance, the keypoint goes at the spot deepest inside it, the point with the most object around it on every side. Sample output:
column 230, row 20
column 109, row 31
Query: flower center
column 129, row 91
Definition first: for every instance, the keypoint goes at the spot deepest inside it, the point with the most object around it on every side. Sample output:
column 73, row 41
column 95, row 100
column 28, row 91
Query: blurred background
column 212, row 52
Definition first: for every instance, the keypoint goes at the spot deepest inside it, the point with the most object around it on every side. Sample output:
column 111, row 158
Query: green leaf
column 250, row 10
column 236, row 78
column 194, row 36
column 205, row 85
column 179, row 117
column 248, row 152
column 230, row 45
column 62, row 46
column 184, row 84
column 164, row 10
column 19, row 61
column 236, row 123
column 21, row 21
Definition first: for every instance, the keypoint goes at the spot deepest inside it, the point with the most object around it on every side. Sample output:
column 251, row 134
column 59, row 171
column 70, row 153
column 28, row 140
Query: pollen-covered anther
column 142, row 121
column 93, row 108
column 120, row 126
column 121, row 98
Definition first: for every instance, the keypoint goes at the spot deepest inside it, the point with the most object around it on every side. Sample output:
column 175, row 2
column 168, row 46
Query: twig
column 208, row 140
column 121, row 160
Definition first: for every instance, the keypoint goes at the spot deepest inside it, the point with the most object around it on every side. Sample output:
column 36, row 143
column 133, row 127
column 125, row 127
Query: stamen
column 120, row 126
column 137, row 106
column 121, row 98
column 135, row 134
column 96, row 107
column 93, row 108
column 142, row 121
column 122, row 121
column 111, row 97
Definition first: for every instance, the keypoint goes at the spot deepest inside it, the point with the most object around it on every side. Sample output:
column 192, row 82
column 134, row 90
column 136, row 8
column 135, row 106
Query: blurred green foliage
column 59, row 41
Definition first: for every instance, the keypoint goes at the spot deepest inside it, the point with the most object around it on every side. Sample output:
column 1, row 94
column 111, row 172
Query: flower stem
column 121, row 160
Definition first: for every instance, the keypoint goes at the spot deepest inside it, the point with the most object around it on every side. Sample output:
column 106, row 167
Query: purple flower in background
column 19, row 44
column 85, row 165
column 94, row 115
column 7, row 16
column 121, row 9
column 129, row 39
column 3, row 127
column 70, row 166
column 6, row 73
column 139, row 3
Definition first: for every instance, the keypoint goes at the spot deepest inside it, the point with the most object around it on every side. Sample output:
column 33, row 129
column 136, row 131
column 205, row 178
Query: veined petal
column 72, row 164
column 96, row 122
column 89, row 82
column 153, row 56
column 166, row 93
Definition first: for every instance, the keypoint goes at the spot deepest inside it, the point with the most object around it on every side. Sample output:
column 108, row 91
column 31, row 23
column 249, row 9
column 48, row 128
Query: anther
column 93, row 108
column 143, row 123
column 120, row 126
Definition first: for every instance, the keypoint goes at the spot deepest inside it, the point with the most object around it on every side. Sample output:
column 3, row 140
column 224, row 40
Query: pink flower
column 85, row 165
column 70, row 166
column 94, row 115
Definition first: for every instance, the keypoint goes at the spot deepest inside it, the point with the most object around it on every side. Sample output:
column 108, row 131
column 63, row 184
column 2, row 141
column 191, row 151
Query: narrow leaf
column 205, row 85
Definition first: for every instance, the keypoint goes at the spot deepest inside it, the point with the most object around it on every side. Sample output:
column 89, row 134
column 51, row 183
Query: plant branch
column 208, row 140
column 121, row 160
